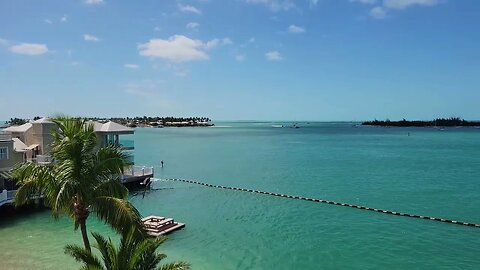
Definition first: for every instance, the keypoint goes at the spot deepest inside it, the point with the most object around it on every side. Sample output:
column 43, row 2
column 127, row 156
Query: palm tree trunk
column 83, row 228
column 81, row 215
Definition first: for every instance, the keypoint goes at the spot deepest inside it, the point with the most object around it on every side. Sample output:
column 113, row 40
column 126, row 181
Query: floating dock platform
column 156, row 226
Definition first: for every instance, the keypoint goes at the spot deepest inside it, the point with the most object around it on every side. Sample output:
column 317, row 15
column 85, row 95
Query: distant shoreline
column 439, row 122
column 138, row 121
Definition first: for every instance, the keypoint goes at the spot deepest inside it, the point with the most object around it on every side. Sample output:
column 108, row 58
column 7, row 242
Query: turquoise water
column 430, row 172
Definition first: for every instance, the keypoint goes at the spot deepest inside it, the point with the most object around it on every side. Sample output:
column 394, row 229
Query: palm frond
column 118, row 213
column 175, row 266
column 106, row 249
column 112, row 188
column 110, row 160
column 84, row 256
column 33, row 180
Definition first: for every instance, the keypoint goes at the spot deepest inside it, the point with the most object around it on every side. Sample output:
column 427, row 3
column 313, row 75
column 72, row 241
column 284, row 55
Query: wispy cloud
column 382, row 8
column 64, row 18
column 295, row 29
column 192, row 25
column 91, row 38
column 366, row 2
column 274, row 5
column 378, row 12
column 402, row 4
column 47, row 21
column 240, row 57
column 94, row 2
column 29, row 49
column 132, row 66
column 3, row 42
column 189, row 9
column 273, row 56
column 216, row 42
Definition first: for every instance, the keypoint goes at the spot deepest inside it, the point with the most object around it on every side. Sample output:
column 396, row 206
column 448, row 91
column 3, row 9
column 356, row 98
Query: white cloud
column 215, row 42
column 240, row 57
column 378, row 12
column 313, row 2
column 64, row 18
column 94, row 2
column 251, row 40
column 273, row 56
column 92, row 38
column 177, row 48
column 402, row 4
column 190, row 9
column 274, row 5
column 29, row 49
column 192, row 25
column 212, row 43
column 47, row 21
column 366, row 2
column 132, row 66
column 295, row 29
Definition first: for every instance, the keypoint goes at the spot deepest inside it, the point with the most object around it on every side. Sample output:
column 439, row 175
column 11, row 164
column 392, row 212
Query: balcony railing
column 5, row 137
column 7, row 196
column 41, row 159
column 138, row 171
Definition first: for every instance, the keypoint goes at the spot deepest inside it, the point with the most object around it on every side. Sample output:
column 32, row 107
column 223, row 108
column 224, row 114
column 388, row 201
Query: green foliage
column 439, row 122
column 82, row 178
column 156, row 120
column 16, row 121
column 133, row 253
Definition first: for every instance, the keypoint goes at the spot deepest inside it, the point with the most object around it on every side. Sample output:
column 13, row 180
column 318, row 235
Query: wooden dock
column 156, row 226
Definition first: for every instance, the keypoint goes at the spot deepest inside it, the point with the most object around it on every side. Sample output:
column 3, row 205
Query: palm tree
column 82, row 179
column 133, row 254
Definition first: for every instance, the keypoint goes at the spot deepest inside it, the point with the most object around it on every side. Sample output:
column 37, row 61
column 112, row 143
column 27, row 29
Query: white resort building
column 31, row 142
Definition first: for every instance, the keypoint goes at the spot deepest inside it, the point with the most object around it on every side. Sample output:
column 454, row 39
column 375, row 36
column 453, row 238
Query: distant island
column 439, row 122
column 138, row 121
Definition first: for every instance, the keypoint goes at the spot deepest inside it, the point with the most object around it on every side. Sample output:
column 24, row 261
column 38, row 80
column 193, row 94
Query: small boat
column 277, row 126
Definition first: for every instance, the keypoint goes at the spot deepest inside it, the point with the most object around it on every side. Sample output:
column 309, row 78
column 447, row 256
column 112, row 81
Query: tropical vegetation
column 81, row 180
column 133, row 253
column 439, row 122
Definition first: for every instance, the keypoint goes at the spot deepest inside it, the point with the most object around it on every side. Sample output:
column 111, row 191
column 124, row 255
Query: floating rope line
column 328, row 202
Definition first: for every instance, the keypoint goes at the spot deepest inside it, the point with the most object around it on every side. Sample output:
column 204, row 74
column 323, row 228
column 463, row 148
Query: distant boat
column 277, row 126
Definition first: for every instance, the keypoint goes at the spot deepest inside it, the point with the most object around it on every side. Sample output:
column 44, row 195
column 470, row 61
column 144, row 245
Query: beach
column 416, row 170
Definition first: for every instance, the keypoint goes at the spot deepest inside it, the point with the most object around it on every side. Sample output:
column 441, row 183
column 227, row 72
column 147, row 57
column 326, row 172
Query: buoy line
column 389, row 212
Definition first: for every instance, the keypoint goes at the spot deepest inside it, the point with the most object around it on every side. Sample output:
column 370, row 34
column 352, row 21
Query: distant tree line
column 20, row 121
column 135, row 121
column 157, row 120
column 440, row 122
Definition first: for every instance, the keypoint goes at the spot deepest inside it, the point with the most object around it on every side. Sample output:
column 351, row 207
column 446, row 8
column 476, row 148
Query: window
column 3, row 153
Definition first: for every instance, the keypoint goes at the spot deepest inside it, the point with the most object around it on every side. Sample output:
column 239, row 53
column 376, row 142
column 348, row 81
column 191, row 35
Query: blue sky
column 241, row 59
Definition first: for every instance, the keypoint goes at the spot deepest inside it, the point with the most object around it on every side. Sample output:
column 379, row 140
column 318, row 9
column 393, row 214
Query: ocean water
column 422, row 171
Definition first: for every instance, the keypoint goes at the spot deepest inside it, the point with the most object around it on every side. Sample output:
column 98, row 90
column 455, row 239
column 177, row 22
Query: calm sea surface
column 416, row 170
